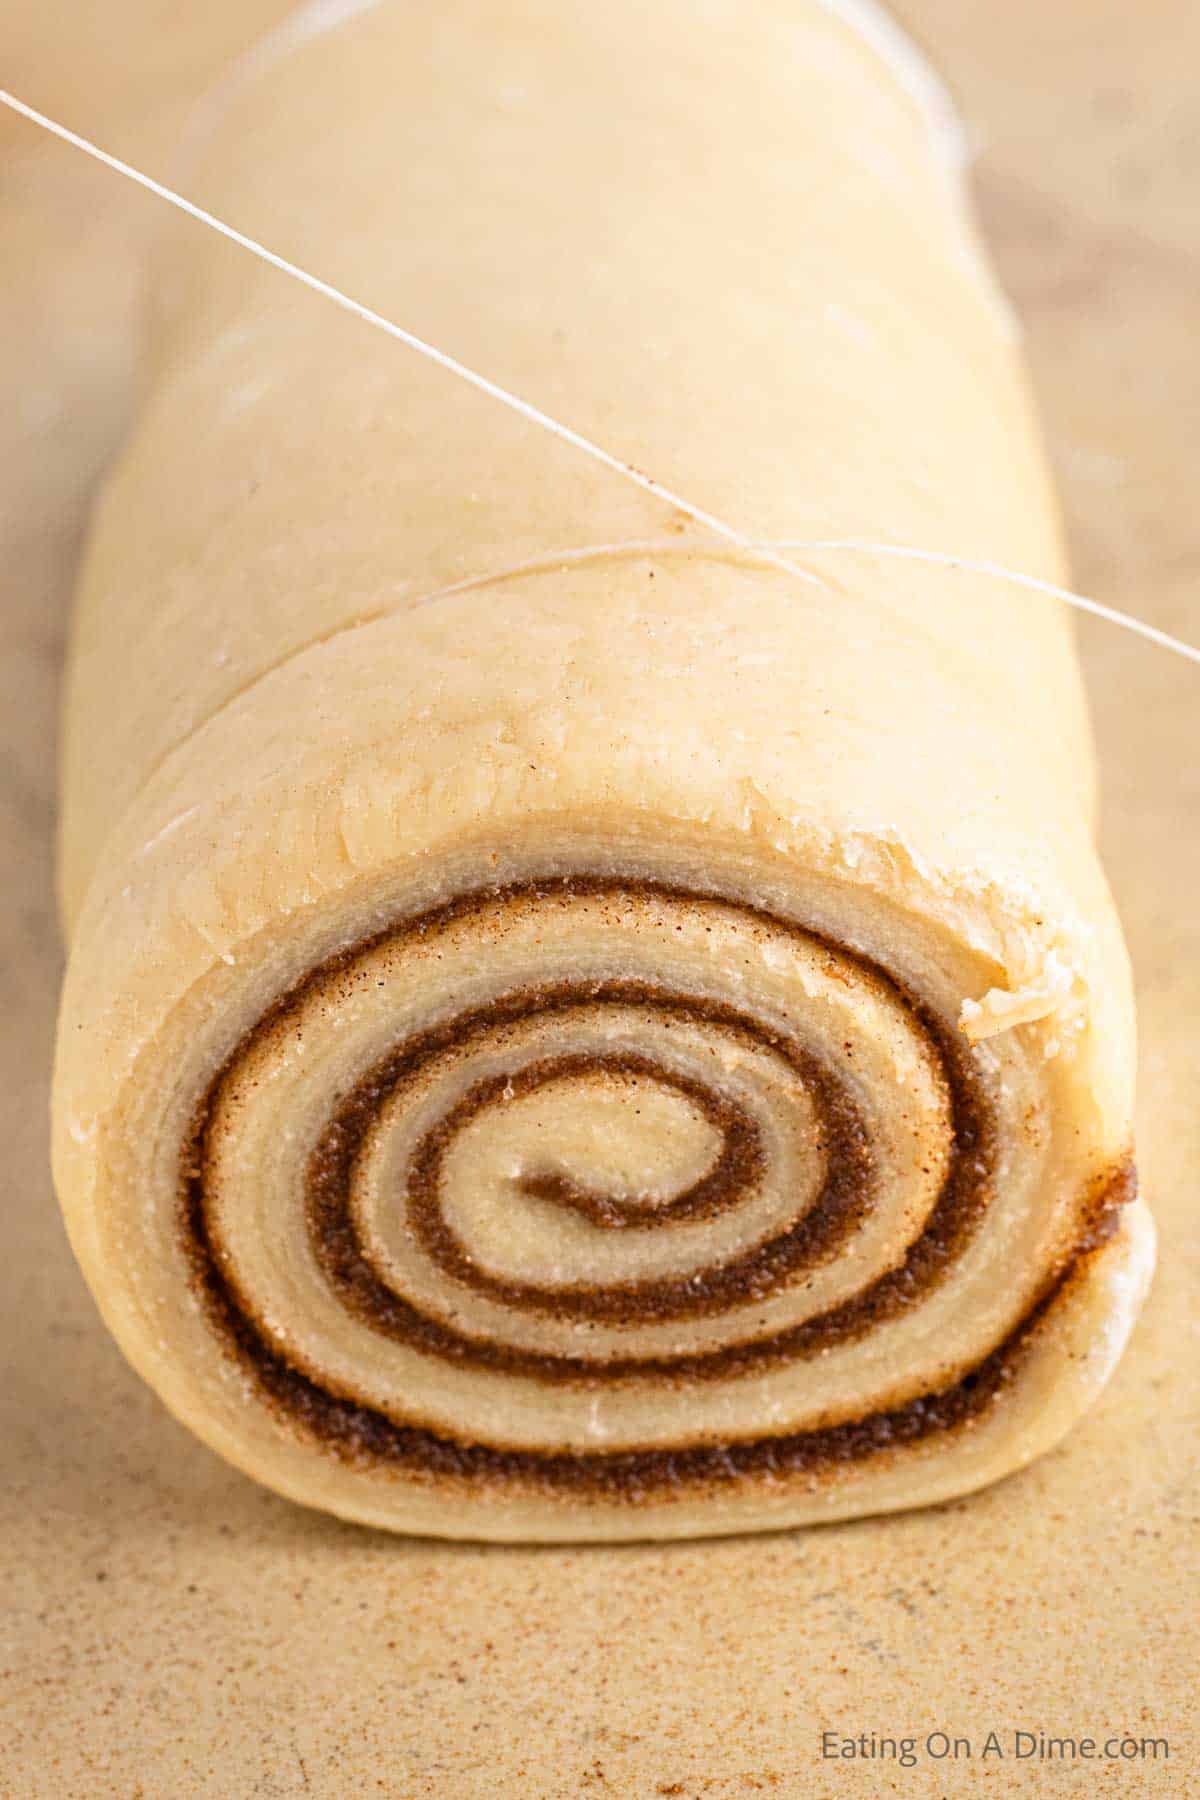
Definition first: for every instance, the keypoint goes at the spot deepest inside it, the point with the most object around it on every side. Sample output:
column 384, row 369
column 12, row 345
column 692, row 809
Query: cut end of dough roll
column 645, row 1189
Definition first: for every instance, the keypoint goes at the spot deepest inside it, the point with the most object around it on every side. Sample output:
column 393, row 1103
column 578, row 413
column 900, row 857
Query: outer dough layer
column 635, row 1044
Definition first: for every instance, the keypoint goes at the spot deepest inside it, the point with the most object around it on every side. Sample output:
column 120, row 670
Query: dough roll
column 574, row 1029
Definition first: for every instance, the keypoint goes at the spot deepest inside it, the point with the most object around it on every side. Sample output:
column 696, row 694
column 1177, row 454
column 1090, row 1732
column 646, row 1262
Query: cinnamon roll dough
column 573, row 1030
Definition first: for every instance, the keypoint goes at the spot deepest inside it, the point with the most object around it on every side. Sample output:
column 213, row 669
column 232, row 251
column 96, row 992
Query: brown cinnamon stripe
column 357, row 1431
column 366, row 1437
column 847, row 1193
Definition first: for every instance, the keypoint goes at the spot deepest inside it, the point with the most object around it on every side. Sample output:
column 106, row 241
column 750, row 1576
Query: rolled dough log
column 572, row 1030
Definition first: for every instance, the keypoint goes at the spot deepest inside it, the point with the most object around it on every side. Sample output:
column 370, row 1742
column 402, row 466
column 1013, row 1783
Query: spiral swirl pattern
column 672, row 1191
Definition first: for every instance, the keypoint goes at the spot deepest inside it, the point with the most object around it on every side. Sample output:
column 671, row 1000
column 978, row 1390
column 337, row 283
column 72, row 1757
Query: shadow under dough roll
column 569, row 1042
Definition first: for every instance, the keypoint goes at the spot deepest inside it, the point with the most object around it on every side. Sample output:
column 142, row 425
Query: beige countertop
column 169, row 1629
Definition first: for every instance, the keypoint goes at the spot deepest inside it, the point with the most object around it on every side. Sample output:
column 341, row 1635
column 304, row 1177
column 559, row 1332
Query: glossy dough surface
column 572, row 1031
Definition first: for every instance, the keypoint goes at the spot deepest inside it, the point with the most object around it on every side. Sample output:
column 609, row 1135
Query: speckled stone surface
column 168, row 1629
